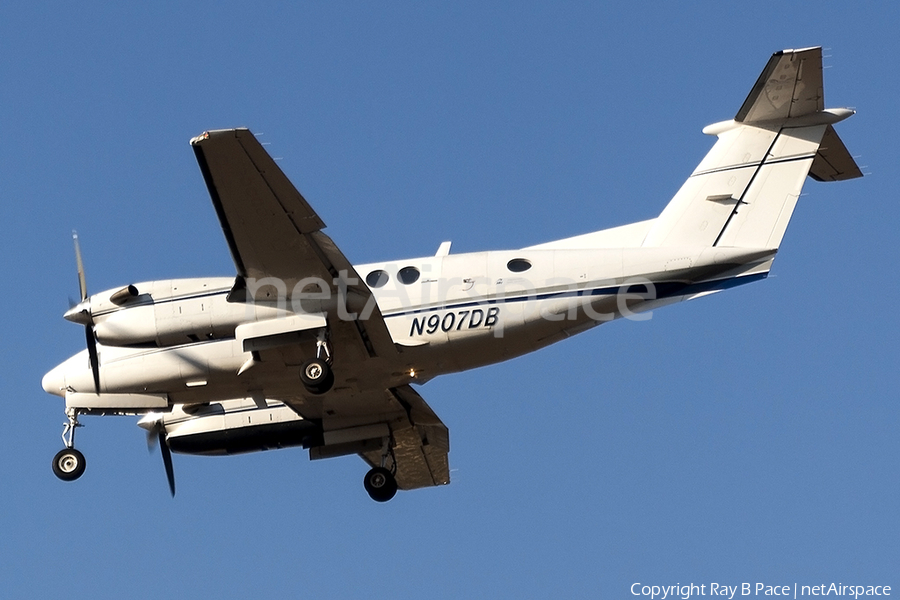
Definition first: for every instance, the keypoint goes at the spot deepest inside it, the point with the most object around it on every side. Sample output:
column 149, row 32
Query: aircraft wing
column 355, row 423
column 421, row 445
column 274, row 234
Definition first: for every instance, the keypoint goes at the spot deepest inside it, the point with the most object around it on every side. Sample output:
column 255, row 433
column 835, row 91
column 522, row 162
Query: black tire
column 69, row 464
column 380, row 484
column 317, row 376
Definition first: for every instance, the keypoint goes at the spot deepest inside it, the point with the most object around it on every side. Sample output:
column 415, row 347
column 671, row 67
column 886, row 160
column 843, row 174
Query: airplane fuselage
column 176, row 338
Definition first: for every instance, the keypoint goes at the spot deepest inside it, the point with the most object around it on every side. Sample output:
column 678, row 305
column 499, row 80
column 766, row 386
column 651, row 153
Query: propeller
column 156, row 436
column 81, row 313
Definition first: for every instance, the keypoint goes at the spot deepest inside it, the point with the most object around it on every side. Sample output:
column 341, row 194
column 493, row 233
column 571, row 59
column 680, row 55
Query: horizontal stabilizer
column 833, row 162
column 790, row 86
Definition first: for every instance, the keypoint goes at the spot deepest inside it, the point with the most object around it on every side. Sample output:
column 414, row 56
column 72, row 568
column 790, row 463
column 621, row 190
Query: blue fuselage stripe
column 665, row 289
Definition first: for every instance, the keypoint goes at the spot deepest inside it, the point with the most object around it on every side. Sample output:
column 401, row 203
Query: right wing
column 275, row 236
column 267, row 223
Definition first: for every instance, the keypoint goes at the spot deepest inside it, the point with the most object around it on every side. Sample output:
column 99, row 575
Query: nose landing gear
column 69, row 463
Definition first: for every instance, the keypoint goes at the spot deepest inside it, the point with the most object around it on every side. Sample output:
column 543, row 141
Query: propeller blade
column 82, row 284
column 81, row 313
column 167, row 461
column 156, row 435
column 94, row 357
column 153, row 431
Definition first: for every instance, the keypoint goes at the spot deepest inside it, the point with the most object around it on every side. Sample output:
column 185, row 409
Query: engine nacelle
column 242, row 425
column 234, row 427
column 171, row 312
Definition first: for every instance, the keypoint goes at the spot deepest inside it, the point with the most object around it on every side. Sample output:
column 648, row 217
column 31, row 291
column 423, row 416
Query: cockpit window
column 377, row 278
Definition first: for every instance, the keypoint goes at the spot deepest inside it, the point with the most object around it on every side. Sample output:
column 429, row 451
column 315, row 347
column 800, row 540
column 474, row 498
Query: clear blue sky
column 749, row 436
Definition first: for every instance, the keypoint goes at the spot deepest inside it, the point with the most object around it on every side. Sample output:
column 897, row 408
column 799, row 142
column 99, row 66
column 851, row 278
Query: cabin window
column 377, row 278
column 408, row 275
column 518, row 265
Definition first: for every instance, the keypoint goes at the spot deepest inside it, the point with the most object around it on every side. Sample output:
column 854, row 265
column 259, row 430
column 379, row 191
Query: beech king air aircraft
column 302, row 348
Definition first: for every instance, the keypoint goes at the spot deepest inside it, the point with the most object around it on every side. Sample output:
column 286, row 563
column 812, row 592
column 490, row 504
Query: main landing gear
column 316, row 374
column 69, row 463
column 380, row 482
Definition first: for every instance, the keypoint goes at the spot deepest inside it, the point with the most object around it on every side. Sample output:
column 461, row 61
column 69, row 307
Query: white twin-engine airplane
column 304, row 349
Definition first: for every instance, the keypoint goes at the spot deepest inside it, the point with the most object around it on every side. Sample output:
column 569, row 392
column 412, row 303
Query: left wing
column 356, row 423
column 420, row 446
column 275, row 236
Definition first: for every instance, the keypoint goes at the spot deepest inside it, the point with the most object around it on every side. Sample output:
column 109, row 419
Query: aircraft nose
column 54, row 382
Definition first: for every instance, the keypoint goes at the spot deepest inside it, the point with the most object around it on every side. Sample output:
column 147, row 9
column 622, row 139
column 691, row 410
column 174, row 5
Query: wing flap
column 421, row 440
column 421, row 444
column 421, row 449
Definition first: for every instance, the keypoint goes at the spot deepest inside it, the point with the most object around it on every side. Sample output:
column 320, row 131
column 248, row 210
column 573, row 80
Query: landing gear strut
column 380, row 482
column 69, row 463
column 316, row 374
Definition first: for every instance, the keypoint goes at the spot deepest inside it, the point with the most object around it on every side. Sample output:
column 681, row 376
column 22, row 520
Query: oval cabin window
column 408, row 275
column 377, row 278
column 518, row 265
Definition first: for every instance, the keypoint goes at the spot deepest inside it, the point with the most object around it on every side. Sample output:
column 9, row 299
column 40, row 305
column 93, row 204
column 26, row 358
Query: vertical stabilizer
column 742, row 194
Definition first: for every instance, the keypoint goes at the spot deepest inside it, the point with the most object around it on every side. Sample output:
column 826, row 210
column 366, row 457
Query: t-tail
column 742, row 194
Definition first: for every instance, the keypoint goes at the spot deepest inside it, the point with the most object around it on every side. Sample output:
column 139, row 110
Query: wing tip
column 197, row 139
column 236, row 131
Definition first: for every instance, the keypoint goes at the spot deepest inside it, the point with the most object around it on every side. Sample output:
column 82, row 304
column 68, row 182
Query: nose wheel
column 69, row 463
